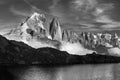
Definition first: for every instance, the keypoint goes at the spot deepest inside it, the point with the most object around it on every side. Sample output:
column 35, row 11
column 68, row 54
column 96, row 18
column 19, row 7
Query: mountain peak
column 55, row 29
column 38, row 19
column 35, row 14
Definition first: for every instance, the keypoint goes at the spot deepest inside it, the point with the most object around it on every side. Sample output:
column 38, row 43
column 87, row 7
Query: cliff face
column 55, row 30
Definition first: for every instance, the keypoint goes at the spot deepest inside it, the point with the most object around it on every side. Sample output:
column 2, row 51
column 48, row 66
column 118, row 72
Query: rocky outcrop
column 65, row 35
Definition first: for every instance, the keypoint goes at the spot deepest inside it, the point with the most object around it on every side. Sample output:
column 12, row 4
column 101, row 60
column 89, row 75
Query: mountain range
column 34, row 42
column 35, row 33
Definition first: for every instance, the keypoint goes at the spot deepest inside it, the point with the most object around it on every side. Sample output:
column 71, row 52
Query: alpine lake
column 73, row 72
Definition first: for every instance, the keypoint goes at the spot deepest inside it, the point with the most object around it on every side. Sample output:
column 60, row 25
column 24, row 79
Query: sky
column 77, row 15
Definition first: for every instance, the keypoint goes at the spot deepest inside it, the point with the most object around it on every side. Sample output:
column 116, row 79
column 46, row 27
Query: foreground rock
column 12, row 52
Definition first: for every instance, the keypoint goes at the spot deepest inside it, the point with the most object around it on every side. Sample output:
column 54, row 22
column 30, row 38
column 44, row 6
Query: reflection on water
column 77, row 72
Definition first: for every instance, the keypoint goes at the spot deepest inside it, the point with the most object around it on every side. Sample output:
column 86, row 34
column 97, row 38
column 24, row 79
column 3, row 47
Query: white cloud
column 108, row 22
column 112, row 25
column 92, row 7
column 95, row 12
column 4, row 25
column 102, row 13
column 103, row 19
column 83, row 4
column 19, row 12
column 98, row 11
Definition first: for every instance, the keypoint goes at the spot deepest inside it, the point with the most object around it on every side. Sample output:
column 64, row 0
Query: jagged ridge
column 33, row 30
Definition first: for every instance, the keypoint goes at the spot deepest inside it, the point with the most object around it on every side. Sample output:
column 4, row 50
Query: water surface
column 76, row 72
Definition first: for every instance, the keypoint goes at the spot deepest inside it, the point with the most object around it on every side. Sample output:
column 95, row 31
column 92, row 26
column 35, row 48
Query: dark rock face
column 12, row 52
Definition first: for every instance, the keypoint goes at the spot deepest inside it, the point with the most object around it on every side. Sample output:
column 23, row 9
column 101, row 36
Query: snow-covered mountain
column 36, row 34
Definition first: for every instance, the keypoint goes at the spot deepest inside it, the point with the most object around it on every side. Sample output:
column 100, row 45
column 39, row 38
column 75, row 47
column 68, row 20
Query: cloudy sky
column 85, row 15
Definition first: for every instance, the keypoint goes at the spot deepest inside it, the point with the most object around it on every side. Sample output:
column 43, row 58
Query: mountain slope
column 18, row 53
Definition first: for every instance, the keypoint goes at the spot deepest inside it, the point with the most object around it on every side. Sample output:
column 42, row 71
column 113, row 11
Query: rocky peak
column 35, row 15
column 55, row 30
column 33, row 26
column 65, row 35
column 57, row 33
column 38, row 20
column 70, row 36
column 93, row 41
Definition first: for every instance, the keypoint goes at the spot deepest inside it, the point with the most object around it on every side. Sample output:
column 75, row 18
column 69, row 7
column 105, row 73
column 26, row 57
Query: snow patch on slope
column 75, row 48
column 114, row 51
